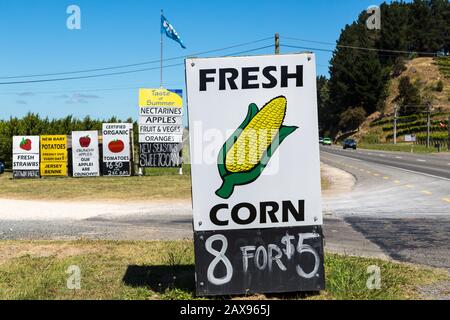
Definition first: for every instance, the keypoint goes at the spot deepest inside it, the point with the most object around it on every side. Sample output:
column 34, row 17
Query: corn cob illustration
column 247, row 152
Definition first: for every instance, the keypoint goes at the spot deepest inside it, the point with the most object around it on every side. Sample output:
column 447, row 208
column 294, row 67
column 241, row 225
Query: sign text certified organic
column 256, row 201
column 116, row 149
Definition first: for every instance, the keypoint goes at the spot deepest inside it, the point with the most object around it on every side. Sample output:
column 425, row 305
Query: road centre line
column 386, row 165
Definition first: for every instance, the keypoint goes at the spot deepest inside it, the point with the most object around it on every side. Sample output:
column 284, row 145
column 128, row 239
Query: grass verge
column 165, row 270
column 401, row 147
column 157, row 184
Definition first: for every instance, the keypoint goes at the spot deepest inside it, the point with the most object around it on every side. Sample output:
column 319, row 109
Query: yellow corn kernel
column 254, row 140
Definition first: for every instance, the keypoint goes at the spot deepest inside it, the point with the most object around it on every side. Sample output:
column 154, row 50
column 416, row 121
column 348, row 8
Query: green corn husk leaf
column 230, row 180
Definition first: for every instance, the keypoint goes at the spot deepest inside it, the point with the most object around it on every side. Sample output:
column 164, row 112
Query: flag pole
column 161, row 71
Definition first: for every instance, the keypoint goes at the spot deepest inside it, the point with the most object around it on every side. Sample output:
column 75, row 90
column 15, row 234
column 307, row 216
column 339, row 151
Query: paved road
column 436, row 165
column 406, row 214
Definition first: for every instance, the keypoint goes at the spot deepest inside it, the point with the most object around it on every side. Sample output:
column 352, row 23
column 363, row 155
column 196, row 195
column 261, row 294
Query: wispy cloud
column 26, row 94
column 63, row 96
column 86, row 96
column 77, row 98
column 22, row 102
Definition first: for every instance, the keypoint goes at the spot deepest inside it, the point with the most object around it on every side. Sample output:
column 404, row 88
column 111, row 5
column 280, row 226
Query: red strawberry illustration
column 25, row 144
column 116, row 146
column 85, row 142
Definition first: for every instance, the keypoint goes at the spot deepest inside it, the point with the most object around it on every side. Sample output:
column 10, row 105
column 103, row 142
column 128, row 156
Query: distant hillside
column 370, row 70
column 427, row 74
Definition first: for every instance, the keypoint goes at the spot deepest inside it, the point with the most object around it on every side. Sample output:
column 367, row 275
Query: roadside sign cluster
column 47, row 155
column 257, row 210
column 25, row 160
column 160, row 128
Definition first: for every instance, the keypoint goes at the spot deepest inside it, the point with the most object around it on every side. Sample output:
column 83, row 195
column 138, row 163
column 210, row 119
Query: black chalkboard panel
column 121, row 169
column 25, row 174
column 160, row 155
column 259, row 261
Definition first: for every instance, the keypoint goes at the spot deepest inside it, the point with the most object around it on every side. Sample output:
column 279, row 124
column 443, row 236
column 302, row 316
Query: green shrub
column 439, row 86
column 417, row 129
column 352, row 118
column 370, row 139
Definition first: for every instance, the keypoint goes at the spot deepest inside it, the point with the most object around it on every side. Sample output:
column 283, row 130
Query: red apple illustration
column 116, row 146
column 85, row 142
column 25, row 144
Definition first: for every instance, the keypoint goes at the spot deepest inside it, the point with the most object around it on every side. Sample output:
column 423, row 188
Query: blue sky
column 35, row 40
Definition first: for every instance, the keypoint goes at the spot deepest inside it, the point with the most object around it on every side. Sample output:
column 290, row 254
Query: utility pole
column 428, row 123
column 395, row 123
column 277, row 43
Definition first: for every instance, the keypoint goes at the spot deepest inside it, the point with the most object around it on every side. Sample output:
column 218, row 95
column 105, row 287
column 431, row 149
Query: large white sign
column 85, row 154
column 253, row 137
column 25, row 161
column 116, row 142
column 410, row 138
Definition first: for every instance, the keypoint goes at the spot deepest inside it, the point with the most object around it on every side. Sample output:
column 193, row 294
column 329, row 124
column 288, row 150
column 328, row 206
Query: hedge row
column 435, row 137
column 406, row 119
column 416, row 130
column 403, row 119
column 413, row 124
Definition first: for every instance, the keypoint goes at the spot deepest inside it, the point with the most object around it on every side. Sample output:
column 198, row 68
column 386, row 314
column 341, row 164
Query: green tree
column 322, row 102
column 408, row 97
column 352, row 118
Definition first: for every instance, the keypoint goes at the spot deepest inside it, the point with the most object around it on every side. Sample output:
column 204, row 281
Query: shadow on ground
column 160, row 278
column 182, row 277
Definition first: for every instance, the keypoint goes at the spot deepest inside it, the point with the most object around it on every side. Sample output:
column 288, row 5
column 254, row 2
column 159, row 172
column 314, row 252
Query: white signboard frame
column 26, row 153
column 116, row 142
column 220, row 92
column 85, row 154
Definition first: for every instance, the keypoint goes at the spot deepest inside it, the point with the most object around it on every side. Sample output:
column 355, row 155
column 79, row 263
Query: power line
column 83, row 90
column 360, row 48
column 328, row 50
column 306, row 48
column 117, row 73
column 137, row 64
